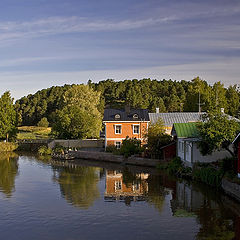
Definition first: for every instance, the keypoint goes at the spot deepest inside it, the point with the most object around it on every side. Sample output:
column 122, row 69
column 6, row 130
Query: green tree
column 80, row 117
column 216, row 132
column 43, row 122
column 8, row 117
column 233, row 100
column 156, row 138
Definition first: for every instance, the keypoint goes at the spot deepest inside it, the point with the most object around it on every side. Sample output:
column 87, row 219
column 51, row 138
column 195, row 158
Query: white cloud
column 58, row 25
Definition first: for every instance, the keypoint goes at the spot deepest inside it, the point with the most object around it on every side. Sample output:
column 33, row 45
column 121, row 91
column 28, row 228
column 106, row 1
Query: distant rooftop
column 185, row 130
column 111, row 114
column 176, row 117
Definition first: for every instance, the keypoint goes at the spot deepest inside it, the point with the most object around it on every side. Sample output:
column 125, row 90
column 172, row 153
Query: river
column 42, row 199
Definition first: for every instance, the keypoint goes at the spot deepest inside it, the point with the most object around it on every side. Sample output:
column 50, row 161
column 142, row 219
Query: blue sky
column 56, row 42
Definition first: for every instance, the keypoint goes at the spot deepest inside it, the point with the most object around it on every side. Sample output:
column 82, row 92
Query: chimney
column 222, row 110
column 157, row 110
column 127, row 108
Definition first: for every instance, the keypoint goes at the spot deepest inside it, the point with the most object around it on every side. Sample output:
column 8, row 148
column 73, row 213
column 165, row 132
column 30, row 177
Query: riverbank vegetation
column 8, row 147
column 208, row 173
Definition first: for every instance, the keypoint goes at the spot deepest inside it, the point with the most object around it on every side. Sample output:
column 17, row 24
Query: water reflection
column 8, row 173
column 125, row 186
column 215, row 215
column 192, row 201
column 78, row 185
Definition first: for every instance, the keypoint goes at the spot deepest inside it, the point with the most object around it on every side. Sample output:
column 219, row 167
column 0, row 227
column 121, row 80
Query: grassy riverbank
column 208, row 173
column 33, row 132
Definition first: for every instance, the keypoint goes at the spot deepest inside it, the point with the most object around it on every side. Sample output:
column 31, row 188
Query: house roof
column 185, row 130
column 176, row 117
column 236, row 139
column 141, row 115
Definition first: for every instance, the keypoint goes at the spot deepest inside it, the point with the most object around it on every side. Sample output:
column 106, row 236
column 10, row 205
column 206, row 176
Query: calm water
column 40, row 199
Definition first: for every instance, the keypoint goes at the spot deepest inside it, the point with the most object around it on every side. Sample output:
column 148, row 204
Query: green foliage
column 43, row 122
column 209, row 175
column 177, row 168
column 79, row 118
column 8, row 117
column 130, row 146
column 156, row 138
column 168, row 95
column 58, row 149
column 44, row 150
column 8, row 146
column 216, row 132
column 112, row 149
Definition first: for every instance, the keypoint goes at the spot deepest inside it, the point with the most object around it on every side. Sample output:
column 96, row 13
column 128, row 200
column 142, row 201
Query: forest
column 167, row 95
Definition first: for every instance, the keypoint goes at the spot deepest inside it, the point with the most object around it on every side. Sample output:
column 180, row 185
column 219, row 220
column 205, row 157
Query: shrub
column 58, row 149
column 111, row 148
column 43, row 122
column 130, row 146
column 209, row 175
column 8, row 146
column 176, row 167
column 43, row 150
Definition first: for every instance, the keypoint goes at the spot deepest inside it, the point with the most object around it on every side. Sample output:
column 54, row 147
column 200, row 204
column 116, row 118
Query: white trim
column 105, row 135
column 238, row 175
column 118, row 139
column 118, row 125
column 139, row 130
column 119, row 144
column 126, row 121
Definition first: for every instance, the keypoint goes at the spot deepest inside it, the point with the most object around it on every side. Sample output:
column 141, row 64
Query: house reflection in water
column 118, row 188
column 208, row 209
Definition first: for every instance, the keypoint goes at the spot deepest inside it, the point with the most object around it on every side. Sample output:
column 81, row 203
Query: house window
column 118, row 145
column 118, row 185
column 135, row 116
column 136, row 129
column 118, row 129
column 117, row 116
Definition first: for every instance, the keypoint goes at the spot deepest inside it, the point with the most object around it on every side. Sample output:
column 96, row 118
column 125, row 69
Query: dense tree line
column 168, row 95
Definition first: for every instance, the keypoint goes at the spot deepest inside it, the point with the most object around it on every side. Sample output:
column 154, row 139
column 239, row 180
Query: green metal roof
column 186, row 130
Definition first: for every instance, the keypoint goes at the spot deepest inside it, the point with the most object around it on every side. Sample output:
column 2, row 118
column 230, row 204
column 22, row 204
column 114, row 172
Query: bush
column 209, row 175
column 130, row 146
column 111, row 148
column 43, row 122
column 59, row 149
column 8, row 146
column 176, row 167
column 43, row 150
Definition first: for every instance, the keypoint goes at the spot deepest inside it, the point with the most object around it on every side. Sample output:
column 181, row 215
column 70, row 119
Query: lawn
column 33, row 132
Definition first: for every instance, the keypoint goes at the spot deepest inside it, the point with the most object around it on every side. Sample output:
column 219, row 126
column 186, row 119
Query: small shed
column 187, row 145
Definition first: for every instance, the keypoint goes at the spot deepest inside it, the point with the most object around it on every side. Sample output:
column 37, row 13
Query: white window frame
column 118, row 185
column 138, row 128
column 115, row 128
column 118, row 144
